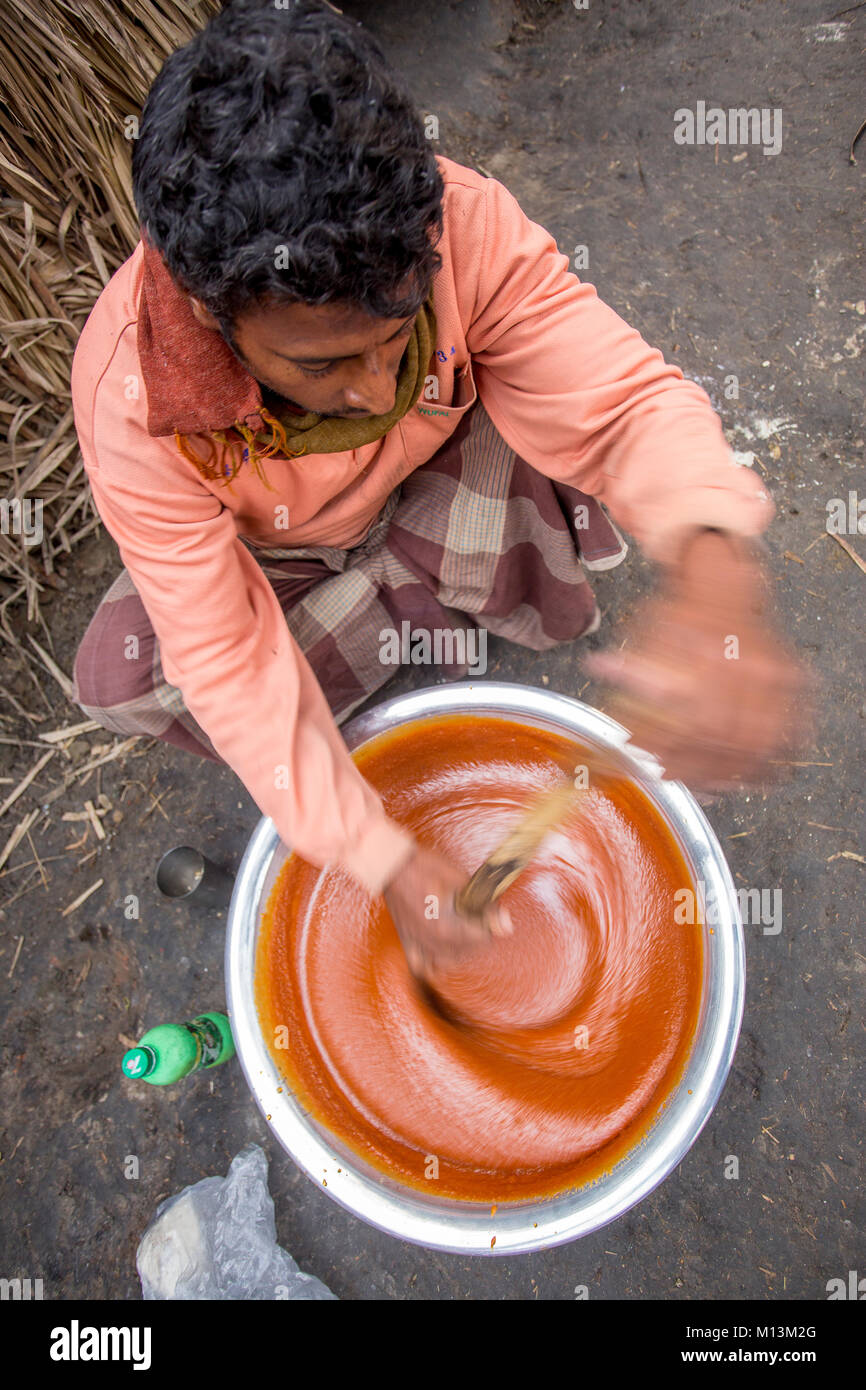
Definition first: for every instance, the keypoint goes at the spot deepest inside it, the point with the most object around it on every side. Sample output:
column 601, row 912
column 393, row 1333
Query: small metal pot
column 186, row 875
column 468, row 1227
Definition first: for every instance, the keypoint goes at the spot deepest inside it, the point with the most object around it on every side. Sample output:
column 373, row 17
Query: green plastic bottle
column 173, row 1050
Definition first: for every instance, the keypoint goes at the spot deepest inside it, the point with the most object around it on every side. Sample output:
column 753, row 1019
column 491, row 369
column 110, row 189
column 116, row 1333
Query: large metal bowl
column 467, row 1227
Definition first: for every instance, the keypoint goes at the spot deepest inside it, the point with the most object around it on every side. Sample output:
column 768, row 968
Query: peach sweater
column 570, row 386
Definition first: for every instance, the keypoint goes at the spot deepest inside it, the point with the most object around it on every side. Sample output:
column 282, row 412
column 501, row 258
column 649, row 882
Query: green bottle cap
column 138, row 1062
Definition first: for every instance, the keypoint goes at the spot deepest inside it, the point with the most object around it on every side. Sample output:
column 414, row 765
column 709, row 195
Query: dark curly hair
column 280, row 159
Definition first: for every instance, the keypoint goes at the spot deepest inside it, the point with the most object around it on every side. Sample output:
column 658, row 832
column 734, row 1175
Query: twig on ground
column 25, row 781
column 17, row 835
column 94, row 820
column 72, row 731
column 15, row 957
column 82, row 897
column 38, row 860
column 53, row 669
column 849, row 550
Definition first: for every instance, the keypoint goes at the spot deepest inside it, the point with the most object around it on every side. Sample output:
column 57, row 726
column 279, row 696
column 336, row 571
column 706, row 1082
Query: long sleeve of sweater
column 225, row 644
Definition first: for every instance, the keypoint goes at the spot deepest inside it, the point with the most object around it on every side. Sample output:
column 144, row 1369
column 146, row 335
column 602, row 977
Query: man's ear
column 201, row 314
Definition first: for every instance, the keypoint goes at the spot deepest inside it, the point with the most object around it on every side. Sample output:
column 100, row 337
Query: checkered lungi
column 475, row 536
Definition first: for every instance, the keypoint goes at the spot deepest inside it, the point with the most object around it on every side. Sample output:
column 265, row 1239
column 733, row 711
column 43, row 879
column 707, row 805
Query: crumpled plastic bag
column 218, row 1239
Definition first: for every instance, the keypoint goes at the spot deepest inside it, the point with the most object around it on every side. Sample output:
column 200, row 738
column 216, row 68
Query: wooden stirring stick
column 511, row 857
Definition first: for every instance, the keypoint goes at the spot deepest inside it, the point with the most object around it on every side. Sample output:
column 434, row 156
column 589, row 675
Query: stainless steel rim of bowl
column 464, row 1227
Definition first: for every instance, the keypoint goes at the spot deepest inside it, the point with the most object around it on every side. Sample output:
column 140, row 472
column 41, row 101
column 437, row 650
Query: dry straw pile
column 73, row 76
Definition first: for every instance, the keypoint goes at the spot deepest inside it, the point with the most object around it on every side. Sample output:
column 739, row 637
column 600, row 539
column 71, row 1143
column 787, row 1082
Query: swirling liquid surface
column 540, row 1059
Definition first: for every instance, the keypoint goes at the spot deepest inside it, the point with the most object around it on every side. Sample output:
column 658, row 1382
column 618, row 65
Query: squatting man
column 344, row 383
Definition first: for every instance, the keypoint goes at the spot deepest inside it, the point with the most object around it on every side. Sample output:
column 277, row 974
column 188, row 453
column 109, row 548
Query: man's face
column 333, row 359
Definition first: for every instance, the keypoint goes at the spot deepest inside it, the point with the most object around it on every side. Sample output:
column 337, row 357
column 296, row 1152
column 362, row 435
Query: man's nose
column 374, row 388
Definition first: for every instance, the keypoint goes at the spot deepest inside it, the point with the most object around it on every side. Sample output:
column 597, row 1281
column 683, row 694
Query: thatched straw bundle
column 73, row 77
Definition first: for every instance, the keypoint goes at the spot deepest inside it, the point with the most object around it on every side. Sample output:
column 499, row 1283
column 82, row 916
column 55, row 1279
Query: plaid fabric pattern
column 475, row 537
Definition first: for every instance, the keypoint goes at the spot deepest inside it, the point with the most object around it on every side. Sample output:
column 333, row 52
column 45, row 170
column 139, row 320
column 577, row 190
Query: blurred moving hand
column 705, row 683
column 420, row 899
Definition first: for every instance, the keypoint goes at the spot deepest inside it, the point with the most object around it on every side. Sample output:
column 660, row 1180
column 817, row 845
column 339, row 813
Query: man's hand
column 705, row 683
column 420, row 899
